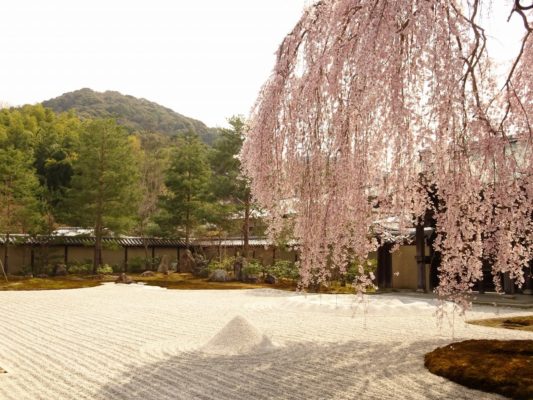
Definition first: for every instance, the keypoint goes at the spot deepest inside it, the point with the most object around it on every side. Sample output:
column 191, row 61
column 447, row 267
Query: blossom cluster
column 375, row 107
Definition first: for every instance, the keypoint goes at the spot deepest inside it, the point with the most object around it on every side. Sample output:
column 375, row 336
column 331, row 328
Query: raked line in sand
column 135, row 342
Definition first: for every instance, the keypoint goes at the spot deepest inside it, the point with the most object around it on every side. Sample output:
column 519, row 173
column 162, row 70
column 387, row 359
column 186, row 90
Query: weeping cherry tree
column 371, row 107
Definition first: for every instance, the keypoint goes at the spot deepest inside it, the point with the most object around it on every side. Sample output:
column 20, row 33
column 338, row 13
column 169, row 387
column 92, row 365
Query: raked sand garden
column 142, row 342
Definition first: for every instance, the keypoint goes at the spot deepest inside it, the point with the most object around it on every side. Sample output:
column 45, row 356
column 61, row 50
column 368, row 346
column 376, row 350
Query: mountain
column 131, row 112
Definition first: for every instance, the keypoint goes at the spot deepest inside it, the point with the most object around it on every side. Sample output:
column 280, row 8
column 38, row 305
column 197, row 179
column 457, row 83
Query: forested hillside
column 134, row 114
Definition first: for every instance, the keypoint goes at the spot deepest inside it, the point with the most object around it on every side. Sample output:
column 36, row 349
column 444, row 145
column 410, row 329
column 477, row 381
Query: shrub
column 117, row 268
column 285, row 270
column 253, row 268
column 352, row 272
column 104, row 270
column 80, row 268
column 141, row 264
column 24, row 271
column 226, row 264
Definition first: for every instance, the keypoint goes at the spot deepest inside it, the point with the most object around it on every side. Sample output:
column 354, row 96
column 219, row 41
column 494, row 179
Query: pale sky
column 206, row 59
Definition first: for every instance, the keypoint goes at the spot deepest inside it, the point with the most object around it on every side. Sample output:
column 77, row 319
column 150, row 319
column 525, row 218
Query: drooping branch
column 360, row 91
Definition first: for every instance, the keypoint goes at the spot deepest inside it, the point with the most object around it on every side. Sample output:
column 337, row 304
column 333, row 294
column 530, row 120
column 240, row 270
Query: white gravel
column 138, row 342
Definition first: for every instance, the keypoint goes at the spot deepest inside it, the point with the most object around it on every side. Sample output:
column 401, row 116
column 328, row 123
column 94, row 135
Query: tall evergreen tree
column 229, row 187
column 153, row 162
column 19, row 211
column 185, row 205
column 104, row 191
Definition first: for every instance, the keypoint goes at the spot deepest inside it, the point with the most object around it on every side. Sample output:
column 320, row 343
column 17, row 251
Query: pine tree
column 104, row 191
column 185, row 205
column 230, row 188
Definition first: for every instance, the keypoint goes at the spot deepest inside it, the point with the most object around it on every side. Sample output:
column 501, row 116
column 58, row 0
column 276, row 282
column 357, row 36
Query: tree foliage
column 104, row 192
column 19, row 211
column 185, row 204
column 136, row 115
column 230, row 188
column 360, row 92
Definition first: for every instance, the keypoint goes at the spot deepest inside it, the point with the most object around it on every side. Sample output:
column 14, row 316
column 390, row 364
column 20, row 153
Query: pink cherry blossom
column 373, row 102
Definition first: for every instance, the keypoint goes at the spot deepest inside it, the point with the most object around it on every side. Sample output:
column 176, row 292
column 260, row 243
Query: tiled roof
column 238, row 242
column 89, row 241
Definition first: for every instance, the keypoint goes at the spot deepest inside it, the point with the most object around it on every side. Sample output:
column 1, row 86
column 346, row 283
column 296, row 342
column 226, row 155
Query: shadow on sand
column 352, row 370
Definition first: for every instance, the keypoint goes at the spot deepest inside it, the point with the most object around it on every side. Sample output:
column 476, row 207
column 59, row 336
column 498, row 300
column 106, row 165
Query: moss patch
column 171, row 281
column 68, row 282
column 188, row 281
column 502, row 367
column 521, row 323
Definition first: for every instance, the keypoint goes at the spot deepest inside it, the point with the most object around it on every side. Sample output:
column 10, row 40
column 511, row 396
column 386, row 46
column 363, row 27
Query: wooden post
column 508, row 284
column 125, row 259
column 528, row 284
column 273, row 255
column 6, row 254
column 65, row 257
column 384, row 271
column 420, row 256
column 481, row 283
column 32, row 259
column 3, row 271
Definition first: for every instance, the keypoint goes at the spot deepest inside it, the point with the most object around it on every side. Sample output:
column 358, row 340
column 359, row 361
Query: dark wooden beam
column 528, row 275
column 32, row 259
column 420, row 256
column 125, row 259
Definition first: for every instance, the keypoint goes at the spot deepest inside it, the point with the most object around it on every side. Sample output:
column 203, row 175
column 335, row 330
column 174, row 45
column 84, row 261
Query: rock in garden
column 187, row 262
column 123, row 278
column 42, row 276
column 2, row 371
column 164, row 265
column 252, row 278
column 238, row 265
column 60, row 270
column 200, row 265
column 219, row 275
column 271, row 279
column 148, row 273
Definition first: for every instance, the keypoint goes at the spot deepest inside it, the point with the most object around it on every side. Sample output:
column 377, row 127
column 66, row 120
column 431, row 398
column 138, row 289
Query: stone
column 60, row 270
column 187, row 262
column 164, row 265
column 200, row 266
column 252, row 278
column 123, row 278
column 42, row 276
column 174, row 266
column 2, row 371
column 219, row 275
column 271, row 279
column 238, row 266
column 148, row 273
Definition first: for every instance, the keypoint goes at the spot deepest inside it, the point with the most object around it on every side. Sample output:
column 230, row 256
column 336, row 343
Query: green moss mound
column 523, row 323
column 503, row 367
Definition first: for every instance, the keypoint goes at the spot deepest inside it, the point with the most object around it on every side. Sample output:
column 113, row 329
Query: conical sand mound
column 238, row 337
